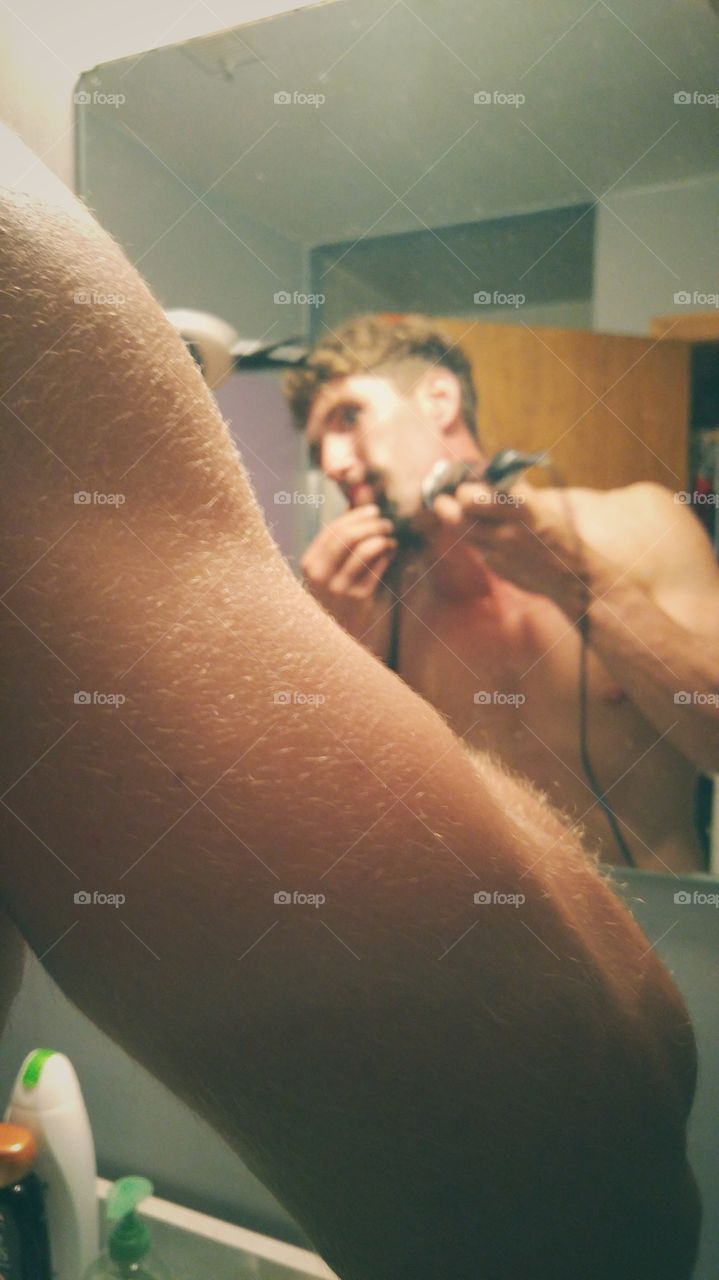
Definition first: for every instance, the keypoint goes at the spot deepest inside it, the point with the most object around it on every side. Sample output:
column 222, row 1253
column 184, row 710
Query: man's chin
column 408, row 526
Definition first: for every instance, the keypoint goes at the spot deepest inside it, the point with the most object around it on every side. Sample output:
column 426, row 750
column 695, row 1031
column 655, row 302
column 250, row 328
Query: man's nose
column 339, row 457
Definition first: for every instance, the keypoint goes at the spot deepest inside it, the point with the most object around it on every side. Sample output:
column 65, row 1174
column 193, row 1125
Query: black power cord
column 446, row 478
column 584, row 627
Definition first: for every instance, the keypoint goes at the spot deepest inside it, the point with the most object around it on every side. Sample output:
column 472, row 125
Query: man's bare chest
column 498, row 663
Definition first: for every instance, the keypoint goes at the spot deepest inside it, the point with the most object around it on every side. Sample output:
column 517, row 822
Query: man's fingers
column 334, row 544
column 366, row 583
column 479, row 502
column 447, row 509
column 362, row 562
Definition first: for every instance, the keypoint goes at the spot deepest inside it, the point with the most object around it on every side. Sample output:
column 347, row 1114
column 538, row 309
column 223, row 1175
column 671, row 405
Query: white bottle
column 46, row 1099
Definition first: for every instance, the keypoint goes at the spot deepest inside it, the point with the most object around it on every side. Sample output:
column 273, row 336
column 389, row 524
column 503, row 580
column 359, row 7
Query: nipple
column 614, row 694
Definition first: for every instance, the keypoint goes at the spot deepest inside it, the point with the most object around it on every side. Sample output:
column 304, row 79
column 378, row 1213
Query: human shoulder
column 642, row 511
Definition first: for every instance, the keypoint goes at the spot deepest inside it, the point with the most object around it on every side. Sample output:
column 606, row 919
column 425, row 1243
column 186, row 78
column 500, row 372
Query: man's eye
column 350, row 413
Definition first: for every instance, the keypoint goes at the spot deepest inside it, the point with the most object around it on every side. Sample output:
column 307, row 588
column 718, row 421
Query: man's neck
column 449, row 566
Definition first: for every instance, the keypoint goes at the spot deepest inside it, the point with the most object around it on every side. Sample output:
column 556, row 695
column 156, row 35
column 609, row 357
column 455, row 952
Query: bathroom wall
column 272, row 450
column 45, row 48
column 495, row 269
column 192, row 252
column 214, row 260
column 641, row 246
column 653, row 242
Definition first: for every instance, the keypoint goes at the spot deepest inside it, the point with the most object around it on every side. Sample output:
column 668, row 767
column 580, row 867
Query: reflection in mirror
column 494, row 228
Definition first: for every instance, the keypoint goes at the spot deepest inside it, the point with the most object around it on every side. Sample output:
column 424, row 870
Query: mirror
column 542, row 182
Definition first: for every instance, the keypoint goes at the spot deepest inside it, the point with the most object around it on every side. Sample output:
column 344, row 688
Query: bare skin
column 488, row 610
column 432, row 1087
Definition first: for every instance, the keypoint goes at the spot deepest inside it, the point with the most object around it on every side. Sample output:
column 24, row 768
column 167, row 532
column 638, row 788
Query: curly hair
column 390, row 344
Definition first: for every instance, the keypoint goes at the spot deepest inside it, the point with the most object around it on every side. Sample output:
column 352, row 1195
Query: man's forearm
column 656, row 660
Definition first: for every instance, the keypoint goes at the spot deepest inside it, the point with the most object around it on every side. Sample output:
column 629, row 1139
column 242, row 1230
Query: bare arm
column 642, row 569
column 394, row 1061
column 657, row 627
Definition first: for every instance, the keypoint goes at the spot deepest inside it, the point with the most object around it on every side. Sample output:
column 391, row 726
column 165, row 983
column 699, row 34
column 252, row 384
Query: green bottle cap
column 130, row 1239
column 34, row 1066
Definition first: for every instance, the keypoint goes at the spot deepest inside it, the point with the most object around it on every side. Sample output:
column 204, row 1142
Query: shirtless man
column 434, row 1086
column 487, row 608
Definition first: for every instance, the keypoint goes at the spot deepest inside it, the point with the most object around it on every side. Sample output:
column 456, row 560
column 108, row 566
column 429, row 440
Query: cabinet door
column 611, row 410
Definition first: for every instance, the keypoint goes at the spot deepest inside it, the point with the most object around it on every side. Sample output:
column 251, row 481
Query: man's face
column 376, row 442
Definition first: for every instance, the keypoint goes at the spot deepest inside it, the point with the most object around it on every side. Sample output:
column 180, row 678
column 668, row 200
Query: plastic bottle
column 46, row 1099
column 24, row 1244
column 128, row 1252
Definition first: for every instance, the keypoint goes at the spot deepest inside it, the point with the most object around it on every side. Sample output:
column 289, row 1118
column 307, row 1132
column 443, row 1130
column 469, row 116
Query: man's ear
column 439, row 397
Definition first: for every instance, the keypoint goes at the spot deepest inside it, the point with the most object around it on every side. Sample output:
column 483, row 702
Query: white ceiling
column 399, row 143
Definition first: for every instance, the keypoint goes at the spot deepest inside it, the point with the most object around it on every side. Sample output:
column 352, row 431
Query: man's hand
column 529, row 536
column 641, row 568
column 344, row 565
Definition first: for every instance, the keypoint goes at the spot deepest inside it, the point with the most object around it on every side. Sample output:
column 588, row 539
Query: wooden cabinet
column 611, row 410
